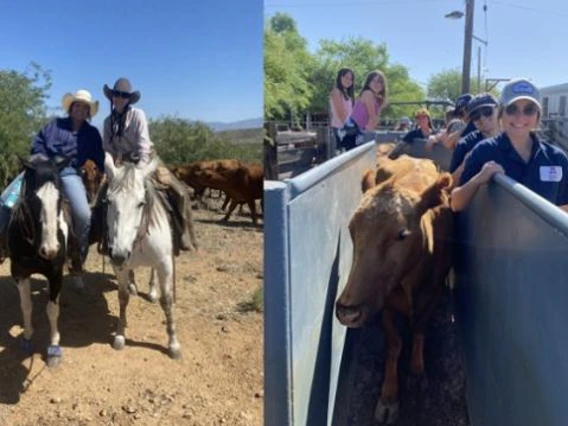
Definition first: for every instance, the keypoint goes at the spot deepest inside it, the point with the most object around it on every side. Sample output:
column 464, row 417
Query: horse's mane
column 126, row 180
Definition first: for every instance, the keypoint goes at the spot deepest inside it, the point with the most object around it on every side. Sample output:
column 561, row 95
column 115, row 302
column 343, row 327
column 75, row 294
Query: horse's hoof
column 153, row 298
column 54, row 354
column 26, row 346
column 119, row 342
column 175, row 353
column 133, row 289
column 386, row 413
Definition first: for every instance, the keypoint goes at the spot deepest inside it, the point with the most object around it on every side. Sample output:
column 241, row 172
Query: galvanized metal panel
column 307, row 259
column 513, row 293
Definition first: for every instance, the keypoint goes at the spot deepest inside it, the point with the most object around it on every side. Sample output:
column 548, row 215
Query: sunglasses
column 481, row 112
column 119, row 94
column 528, row 111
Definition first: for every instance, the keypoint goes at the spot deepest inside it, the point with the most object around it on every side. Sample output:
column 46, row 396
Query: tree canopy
column 23, row 112
column 298, row 81
column 287, row 65
column 179, row 141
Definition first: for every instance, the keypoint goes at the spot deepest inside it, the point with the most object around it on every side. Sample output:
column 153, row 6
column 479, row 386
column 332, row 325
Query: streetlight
column 466, row 68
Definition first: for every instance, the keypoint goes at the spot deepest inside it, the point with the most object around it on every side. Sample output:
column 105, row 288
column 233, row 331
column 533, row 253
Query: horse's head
column 42, row 199
column 126, row 197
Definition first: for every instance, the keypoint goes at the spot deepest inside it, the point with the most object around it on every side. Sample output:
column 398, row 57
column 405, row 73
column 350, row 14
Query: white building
column 553, row 100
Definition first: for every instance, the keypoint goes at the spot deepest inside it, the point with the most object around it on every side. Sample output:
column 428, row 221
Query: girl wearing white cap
column 517, row 152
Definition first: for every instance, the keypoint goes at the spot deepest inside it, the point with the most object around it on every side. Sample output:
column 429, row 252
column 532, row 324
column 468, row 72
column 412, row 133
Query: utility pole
column 478, row 69
column 468, row 38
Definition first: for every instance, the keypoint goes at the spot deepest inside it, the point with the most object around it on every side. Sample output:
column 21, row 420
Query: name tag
column 550, row 173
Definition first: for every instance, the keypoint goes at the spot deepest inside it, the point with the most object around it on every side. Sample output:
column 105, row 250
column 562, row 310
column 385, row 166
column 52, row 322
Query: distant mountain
column 253, row 123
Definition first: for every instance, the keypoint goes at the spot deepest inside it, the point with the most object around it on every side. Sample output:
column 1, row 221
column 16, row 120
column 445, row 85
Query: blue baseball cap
column 462, row 102
column 481, row 100
column 520, row 88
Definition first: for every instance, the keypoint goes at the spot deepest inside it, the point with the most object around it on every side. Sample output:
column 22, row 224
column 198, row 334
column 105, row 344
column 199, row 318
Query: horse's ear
column 25, row 163
column 110, row 169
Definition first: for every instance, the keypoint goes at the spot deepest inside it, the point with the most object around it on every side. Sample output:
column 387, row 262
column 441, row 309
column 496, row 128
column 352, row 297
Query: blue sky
column 200, row 60
column 525, row 38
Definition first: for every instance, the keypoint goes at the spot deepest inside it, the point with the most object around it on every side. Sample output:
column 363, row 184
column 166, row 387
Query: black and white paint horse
column 139, row 234
column 37, row 241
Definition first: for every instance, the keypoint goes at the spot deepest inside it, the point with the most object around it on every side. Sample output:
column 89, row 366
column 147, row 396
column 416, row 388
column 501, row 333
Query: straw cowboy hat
column 80, row 96
column 122, row 87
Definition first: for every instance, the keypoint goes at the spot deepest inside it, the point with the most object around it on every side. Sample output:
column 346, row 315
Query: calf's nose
column 347, row 315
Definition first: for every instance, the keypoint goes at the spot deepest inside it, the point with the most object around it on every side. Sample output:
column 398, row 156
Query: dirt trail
column 219, row 380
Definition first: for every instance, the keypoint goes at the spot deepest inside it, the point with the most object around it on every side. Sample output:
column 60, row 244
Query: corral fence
column 555, row 130
column 295, row 151
column 510, row 281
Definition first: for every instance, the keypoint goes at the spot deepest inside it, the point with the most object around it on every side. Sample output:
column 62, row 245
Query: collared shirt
column 465, row 145
column 135, row 138
column 58, row 139
column 415, row 134
column 470, row 127
column 546, row 173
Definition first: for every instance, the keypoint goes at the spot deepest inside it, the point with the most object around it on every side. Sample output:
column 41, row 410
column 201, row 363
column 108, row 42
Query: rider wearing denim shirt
column 58, row 139
column 75, row 138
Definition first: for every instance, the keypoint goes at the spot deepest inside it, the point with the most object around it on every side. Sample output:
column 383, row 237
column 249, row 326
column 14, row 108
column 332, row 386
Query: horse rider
column 127, row 138
column 69, row 137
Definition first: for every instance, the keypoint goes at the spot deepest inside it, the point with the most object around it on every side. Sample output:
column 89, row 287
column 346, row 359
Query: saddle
column 99, row 232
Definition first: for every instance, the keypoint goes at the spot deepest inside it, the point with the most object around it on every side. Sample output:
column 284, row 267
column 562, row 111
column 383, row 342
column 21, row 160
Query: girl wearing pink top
column 341, row 100
column 366, row 111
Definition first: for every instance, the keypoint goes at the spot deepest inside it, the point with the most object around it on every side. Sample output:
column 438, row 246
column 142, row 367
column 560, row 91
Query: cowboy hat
column 80, row 96
column 122, row 85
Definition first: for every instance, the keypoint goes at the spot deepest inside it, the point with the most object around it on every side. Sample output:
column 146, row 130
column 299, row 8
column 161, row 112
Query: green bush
column 180, row 141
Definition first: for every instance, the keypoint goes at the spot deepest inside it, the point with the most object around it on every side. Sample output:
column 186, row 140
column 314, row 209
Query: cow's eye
column 403, row 234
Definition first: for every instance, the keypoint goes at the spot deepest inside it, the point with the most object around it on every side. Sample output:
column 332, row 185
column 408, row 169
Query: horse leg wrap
column 54, row 351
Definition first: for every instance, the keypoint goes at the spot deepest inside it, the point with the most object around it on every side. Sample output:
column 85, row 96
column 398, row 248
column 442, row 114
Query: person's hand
column 430, row 143
column 488, row 170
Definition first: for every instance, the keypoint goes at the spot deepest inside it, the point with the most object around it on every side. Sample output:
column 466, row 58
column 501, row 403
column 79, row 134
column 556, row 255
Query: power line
column 531, row 9
column 346, row 3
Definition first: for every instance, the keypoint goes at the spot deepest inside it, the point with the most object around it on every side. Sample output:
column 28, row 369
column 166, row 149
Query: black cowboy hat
column 122, row 85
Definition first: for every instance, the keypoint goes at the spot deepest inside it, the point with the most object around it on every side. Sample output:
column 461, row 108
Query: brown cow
column 401, row 236
column 188, row 173
column 92, row 178
column 243, row 185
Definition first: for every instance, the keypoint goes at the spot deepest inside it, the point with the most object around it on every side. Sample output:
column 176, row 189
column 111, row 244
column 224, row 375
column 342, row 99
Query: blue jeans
column 74, row 190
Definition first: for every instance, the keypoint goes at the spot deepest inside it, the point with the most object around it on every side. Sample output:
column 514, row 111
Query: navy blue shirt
column 58, row 139
column 545, row 174
column 470, row 127
column 465, row 145
column 415, row 134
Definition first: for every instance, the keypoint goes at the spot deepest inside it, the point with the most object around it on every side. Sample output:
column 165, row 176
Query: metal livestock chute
column 510, row 285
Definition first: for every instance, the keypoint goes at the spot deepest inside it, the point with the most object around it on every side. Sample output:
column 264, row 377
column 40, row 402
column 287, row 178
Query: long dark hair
column 367, row 84
column 347, row 93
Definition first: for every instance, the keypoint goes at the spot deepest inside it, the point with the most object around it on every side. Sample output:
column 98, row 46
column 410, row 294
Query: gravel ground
column 438, row 399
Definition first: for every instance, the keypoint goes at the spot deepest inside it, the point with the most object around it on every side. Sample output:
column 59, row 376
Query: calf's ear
column 368, row 180
column 436, row 194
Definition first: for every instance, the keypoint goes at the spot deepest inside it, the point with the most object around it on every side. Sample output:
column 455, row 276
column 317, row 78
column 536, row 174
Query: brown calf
column 401, row 236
